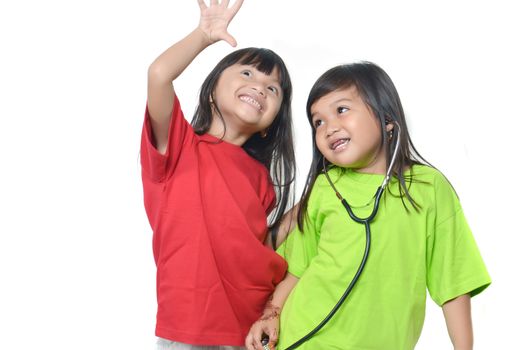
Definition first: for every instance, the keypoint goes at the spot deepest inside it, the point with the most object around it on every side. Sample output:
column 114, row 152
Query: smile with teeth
column 251, row 101
column 339, row 144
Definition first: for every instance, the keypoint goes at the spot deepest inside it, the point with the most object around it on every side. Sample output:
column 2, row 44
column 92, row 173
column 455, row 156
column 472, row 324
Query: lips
column 252, row 100
column 339, row 144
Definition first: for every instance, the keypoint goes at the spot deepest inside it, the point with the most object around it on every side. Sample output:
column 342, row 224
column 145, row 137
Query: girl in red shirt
column 209, row 186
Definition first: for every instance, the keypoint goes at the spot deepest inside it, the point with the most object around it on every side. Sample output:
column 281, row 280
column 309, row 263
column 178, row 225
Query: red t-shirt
column 207, row 202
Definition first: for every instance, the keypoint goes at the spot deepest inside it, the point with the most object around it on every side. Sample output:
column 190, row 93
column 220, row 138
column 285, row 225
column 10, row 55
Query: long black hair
column 276, row 150
column 378, row 92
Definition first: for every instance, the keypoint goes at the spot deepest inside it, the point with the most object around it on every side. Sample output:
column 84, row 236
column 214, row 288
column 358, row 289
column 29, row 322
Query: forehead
column 334, row 97
column 239, row 67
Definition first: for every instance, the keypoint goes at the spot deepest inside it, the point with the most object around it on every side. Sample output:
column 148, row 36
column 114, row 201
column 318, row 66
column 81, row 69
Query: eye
column 317, row 123
column 274, row 89
column 342, row 109
column 246, row 72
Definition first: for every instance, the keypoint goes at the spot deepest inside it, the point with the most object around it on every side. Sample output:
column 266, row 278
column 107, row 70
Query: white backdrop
column 76, row 267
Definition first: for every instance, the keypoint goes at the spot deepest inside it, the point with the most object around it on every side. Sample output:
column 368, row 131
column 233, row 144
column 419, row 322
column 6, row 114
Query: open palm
column 216, row 18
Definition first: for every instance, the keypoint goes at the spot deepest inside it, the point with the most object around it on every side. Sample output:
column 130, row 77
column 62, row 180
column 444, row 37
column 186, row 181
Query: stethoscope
column 364, row 221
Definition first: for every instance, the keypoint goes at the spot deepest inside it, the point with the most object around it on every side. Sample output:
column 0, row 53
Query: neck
column 376, row 165
column 227, row 132
column 380, row 170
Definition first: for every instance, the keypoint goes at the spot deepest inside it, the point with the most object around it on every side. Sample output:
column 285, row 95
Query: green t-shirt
column 410, row 251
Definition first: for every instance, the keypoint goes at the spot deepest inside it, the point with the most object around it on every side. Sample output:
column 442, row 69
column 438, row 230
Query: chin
column 344, row 165
column 251, row 120
column 339, row 162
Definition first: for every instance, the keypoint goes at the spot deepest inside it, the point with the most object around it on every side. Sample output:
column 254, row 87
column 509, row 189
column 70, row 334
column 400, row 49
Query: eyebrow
column 313, row 115
column 347, row 99
column 338, row 101
column 273, row 80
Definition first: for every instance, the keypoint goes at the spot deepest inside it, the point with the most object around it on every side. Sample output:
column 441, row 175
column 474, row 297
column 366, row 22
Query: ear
column 212, row 103
column 389, row 126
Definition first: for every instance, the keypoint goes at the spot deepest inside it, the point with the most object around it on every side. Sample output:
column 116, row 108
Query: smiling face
column 248, row 99
column 347, row 132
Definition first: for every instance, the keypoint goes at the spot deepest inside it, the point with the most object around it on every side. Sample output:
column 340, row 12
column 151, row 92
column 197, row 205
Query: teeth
column 250, row 100
column 340, row 144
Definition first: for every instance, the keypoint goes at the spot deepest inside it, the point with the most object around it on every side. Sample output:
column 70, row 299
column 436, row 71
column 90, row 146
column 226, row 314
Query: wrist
column 270, row 311
column 204, row 36
column 201, row 38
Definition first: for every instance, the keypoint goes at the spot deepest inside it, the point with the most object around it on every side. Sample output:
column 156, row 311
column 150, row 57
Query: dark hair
column 379, row 93
column 276, row 150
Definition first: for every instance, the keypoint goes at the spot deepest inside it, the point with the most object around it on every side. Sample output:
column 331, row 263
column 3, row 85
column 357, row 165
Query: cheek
column 376, row 136
column 217, row 96
column 370, row 133
column 277, row 105
column 272, row 113
column 319, row 141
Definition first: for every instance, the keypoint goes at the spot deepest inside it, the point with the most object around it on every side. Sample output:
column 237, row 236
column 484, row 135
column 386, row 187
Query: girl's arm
column 171, row 63
column 287, row 224
column 457, row 313
column 269, row 322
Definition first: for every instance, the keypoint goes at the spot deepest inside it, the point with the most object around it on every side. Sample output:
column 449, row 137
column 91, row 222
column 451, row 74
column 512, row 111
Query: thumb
column 272, row 334
column 273, row 337
column 230, row 39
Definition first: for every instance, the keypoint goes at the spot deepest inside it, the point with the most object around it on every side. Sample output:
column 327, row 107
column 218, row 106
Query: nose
column 258, row 88
column 333, row 126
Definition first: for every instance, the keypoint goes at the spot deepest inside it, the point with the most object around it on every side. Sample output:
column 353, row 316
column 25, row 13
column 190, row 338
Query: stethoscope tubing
column 367, row 223
column 344, row 295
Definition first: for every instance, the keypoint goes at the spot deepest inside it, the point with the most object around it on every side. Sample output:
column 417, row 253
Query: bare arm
column 287, row 224
column 172, row 62
column 269, row 322
column 457, row 313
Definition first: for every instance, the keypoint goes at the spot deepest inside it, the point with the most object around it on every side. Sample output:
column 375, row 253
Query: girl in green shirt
column 419, row 238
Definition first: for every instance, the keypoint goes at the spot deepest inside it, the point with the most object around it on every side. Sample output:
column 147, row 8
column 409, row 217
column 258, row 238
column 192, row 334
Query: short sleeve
column 454, row 264
column 301, row 247
column 159, row 166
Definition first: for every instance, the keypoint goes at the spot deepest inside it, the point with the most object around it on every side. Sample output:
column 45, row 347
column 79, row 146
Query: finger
column 273, row 335
column 230, row 39
column 236, row 7
column 270, row 331
column 257, row 335
column 202, row 5
column 253, row 339
column 213, row 2
column 273, row 338
column 256, row 345
column 249, row 340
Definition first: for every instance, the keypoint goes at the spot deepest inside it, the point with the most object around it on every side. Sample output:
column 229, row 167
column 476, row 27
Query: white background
column 76, row 267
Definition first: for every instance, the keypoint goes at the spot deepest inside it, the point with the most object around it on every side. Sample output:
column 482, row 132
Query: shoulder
column 319, row 198
column 320, row 186
column 428, row 174
column 257, row 171
column 445, row 198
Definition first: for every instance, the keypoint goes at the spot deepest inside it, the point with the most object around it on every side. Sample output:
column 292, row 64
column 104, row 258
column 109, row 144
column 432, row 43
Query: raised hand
column 216, row 18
